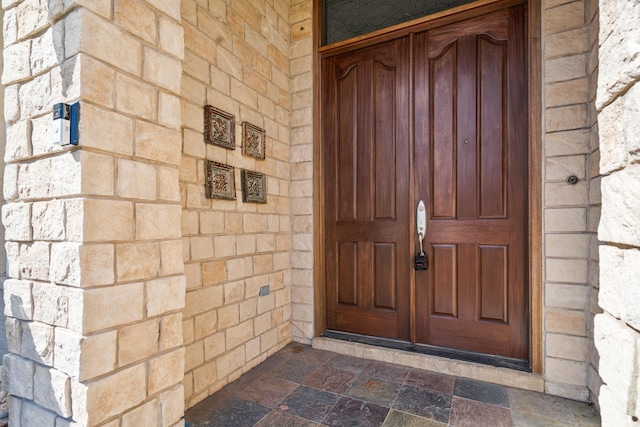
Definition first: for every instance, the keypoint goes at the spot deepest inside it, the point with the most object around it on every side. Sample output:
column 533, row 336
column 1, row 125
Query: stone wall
column 569, row 219
column 236, row 59
column 96, row 283
column 618, row 99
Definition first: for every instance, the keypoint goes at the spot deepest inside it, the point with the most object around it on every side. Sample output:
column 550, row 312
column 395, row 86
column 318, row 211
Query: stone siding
column 618, row 99
column 96, row 285
column 236, row 59
column 570, row 211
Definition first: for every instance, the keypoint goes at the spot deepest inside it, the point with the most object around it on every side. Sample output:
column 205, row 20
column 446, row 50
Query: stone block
column 47, row 50
column 14, row 334
column 202, row 300
column 228, row 316
column 564, row 17
column 146, row 415
column 212, row 222
column 556, row 295
column 613, row 150
column 168, row 106
column 136, row 180
column 567, row 42
column 239, row 268
column 566, row 118
column 620, row 221
column 12, row 250
column 171, row 37
column 158, row 143
column 168, row 184
column 162, row 70
column 204, row 376
column 115, row 393
column 137, row 19
column 136, row 97
column 36, row 97
column 566, row 270
column 10, row 182
column 18, row 299
column 16, row 66
column 65, row 174
column 171, row 257
column 82, row 265
column 168, row 7
column 97, row 81
column 99, row 306
column 171, row 331
column 37, row 342
column 16, row 218
column 106, row 130
column 19, row 374
column 50, row 304
column 567, row 347
column 230, row 361
column 137, row 260
column 567, row 245
column 52, row 390
column 165, row 295
column 239, row 334
column 569, row 322
column 138, row 342
column 205, row 324
column 172, row 405
column 48, row 220
column 34, row 415
column 214, row 345
column 118, row 214
column 115, row 47
column 166, row 371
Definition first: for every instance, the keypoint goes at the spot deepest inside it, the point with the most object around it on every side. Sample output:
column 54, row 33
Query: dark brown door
column 366, row 156
column 465, row 100
column 471, row 169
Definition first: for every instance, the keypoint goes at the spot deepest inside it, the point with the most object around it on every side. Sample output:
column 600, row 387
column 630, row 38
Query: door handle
column 421, row 224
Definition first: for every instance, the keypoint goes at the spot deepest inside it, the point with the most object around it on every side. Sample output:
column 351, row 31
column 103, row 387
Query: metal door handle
column 421, row 223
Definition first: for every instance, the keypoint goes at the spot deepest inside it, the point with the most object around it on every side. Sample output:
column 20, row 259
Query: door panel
column 452, row 100
column 366, row 156
column 471, row 146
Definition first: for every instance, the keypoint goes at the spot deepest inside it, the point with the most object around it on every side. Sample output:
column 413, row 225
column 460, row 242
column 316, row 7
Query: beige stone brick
column 137, row 260
column 19, row 373
column 233, row 223
column 206, row 324
column 266, row 303
column 172, row 405
column 233, row 292
column 97, row 81
column 228, row 316
column 47, row 49
column 214, row 345
column 16, row 66
column 248, row 308
column 564, row 17
column 565, row 68
column 98, row 306
column 565, row 220
column 98, row 173
column 34, row 261
column 166, row 371
column 168, row 7
column 165, row 295
column 37, row 342
column 171, row 331
column 620, row 221
column 566, row 118
column 195, row 66
column 10, row 182
column 115, row 47
column 224, row 246
column 116, row 393
column 230, row 362
column 213, row 272
column 201, row 247
column 52, row 390
column 567, row 347
column 171, row 37
column 136, row 180
column 239, row 268
column 137, row 19
column 204, row 375
column 566, row 270
column 193, row 143
column 34, row 415
column 566, row 322
column 202, row 300
column 171, row 257
column 50, row 304
column 119, row 216
column 567, row 93
column 16, row 218
column 239, row 334
column 558, row 295
column 189, row 222
column 268, row 340
column 137, row 342
column 158, row 143
column 211, row 222
column 82, row 265
column 567, row 245
column 246, row 244
column 106, row 130
column 194, row 355
column 162, row 70
column 146, row 414
column 157, row 221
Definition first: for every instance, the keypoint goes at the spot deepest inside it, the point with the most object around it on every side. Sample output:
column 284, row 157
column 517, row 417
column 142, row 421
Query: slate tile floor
column 303, row 387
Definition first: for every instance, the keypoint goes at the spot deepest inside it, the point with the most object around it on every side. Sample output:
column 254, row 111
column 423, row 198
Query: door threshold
column 458, row 355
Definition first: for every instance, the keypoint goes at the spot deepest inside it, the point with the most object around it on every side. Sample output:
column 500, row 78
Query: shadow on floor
column 303, row 387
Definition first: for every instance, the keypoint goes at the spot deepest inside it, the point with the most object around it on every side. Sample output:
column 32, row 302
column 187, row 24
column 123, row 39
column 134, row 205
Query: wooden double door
column 438, row 116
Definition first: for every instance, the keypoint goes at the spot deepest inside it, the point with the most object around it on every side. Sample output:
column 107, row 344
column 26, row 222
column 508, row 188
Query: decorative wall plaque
column 219, row 127
column 253, row 140
column 220, row 180
column 254, row 187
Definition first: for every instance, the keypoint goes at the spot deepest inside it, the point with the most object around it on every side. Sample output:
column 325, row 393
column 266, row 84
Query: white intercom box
column 62, row 124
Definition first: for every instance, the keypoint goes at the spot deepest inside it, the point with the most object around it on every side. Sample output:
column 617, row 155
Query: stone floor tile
column 267, row 390
column 309, row 403
column 232, row 412
column 348, row 363
column 528, row 419
column 292, row 369
column 331, row 379
column 492, row 394
column 374, row 390
column 277, row 418
column 425, row 403
column 551, row 407
column 354, row 412
column 402, row 419
column 471, row 413
column 585, row 415
column 386, row 371
column 431, row 381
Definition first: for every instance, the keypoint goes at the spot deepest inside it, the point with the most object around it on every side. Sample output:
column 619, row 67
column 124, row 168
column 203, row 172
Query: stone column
column 93, row 235
column 616, row 330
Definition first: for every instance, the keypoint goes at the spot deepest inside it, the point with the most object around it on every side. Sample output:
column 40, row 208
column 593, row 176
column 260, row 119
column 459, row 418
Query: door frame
column 534, row 151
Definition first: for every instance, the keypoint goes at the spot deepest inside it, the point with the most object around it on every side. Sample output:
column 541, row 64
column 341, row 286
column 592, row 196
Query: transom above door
column 438, row 116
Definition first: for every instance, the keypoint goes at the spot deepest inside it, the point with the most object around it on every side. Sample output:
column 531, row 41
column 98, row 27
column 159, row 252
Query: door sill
column 460, row 355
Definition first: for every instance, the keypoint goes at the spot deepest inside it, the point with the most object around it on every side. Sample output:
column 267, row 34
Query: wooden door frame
column 534, row 12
